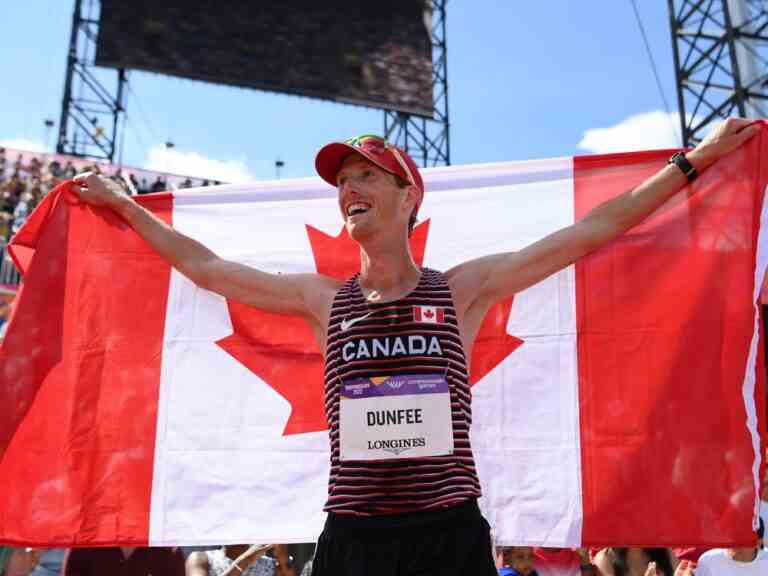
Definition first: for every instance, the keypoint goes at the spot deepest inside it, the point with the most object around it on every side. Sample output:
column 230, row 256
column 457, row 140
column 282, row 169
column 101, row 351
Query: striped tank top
column 373, row 487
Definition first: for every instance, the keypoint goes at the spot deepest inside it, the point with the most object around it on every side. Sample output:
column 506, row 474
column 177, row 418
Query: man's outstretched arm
column 303, row 294
column 480, row 283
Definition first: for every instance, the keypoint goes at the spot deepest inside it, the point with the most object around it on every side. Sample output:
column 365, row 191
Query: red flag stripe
column 648, row 373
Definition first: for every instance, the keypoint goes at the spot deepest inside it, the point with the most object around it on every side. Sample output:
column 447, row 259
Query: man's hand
column 725, row 138
column 98, row 191
column 252, row 554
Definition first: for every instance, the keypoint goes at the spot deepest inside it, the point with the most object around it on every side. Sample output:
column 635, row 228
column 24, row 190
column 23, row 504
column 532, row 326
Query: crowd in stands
column 26, row 177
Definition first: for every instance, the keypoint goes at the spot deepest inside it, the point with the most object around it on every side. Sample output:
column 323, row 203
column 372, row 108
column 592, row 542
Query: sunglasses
column 378, row 145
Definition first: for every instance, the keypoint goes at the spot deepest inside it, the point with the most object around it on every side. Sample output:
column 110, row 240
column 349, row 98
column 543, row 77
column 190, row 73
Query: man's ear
column 415, row 193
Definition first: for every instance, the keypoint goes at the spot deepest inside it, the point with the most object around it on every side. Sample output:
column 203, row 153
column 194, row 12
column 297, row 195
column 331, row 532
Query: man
column 746, row 561
column 390, row 514
column 515, row 561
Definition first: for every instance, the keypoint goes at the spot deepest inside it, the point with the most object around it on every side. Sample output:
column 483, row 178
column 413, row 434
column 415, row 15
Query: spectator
column 69, row 170
column 232, row 561
column 50, row 563
column 748, row 561
column 55, row 169
column 515, row 561
column 158, row 185
column 186, row 184
column 634, row 562
column 18, row 166
column 558, row 561
column 21, row 212
column 21, row 561
column 135, row 183
column 123, row 562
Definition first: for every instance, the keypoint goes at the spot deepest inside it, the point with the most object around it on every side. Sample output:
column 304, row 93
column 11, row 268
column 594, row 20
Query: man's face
column 370, row 200
column 519, row 558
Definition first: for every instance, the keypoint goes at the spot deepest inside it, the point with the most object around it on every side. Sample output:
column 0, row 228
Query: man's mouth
column 357, row 208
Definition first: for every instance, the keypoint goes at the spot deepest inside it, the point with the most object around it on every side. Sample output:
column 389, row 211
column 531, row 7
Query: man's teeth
column 353, row 209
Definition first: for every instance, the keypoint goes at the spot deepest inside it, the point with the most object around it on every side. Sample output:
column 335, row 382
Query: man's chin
column 358, row 232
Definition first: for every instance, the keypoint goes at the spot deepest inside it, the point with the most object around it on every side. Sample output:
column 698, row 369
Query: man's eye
column 367, row 174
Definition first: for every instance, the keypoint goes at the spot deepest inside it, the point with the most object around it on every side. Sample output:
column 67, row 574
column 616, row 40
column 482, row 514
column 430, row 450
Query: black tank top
column 365, row 487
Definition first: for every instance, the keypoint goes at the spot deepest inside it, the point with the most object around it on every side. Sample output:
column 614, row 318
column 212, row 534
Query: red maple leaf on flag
column 429, row 313
column 282, row 351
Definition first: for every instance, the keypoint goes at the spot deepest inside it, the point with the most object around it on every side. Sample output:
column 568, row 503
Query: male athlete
column 395, row 512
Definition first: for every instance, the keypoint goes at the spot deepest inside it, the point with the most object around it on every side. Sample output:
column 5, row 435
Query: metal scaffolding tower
column 721, row 61
column 425, row 140
column 91, row 114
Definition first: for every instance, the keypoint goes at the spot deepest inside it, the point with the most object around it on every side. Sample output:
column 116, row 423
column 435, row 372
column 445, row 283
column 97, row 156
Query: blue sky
column 526, row 80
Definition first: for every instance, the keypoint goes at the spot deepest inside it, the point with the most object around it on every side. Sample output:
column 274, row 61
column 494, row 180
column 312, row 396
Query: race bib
column 403, row 416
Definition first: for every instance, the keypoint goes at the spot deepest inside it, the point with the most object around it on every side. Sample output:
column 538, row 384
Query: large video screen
column 370, row 53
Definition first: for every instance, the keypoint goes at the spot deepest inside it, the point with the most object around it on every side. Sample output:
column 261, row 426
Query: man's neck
column 742, row 554
column 387, row 271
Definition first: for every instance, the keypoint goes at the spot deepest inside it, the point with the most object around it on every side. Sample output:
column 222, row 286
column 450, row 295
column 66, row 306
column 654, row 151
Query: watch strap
column 679, row 160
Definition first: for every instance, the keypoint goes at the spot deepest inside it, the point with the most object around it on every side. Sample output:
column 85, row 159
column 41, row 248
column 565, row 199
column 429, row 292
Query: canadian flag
column 429, row 314
column 620, row 401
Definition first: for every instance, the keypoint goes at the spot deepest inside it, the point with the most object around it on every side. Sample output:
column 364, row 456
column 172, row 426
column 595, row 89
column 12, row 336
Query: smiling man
column 402, row 492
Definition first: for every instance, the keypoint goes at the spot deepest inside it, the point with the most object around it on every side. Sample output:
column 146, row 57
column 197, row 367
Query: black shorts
column 451, row 542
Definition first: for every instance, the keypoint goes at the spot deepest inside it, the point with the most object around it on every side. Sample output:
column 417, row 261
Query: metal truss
column 91, row 114
column 721, row 61
column 426, row 140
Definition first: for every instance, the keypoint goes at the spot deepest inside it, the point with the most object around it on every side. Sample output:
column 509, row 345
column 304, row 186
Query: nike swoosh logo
column 347, row 324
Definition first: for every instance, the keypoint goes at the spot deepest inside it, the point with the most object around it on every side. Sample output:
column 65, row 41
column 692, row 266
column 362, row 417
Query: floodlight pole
column 91, row 114
column 721, row 61
column 427, row 141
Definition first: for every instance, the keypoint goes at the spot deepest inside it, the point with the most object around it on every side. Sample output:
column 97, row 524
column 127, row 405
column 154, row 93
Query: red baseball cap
column 386, row 156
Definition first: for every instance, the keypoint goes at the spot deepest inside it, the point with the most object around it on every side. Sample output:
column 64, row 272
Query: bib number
column 403, row 416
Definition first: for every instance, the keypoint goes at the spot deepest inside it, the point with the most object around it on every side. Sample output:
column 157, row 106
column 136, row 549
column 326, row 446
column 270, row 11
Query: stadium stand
column 26, row 177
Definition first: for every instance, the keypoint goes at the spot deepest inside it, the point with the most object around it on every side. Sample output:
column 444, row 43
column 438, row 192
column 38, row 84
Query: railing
column 9, row 276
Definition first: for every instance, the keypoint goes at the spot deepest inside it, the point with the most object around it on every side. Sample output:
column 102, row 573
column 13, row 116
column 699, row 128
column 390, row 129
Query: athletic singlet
column 417, row 335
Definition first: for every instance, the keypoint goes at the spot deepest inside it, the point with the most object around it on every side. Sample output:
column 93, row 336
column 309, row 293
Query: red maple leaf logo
column 281, row 350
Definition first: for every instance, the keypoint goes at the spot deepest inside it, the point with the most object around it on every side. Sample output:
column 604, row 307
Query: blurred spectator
column 20, row 561
column 186, row 184
column 69, row 170
column 50, row 563
column 515, row 561
column 18, row 166
column 5, row 554
column 752, row 561
column 22, row 210
column 123, row 562
column 558, row 562
column 135, row 183
column 55, row 169
column 158, row 185
column 232, row 560
column 634, row 562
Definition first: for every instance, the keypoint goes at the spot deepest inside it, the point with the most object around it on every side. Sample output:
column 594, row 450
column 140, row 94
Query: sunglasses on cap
column 377, row 145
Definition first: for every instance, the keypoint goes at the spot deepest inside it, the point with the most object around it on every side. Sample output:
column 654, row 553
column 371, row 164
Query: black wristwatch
column 679, row 160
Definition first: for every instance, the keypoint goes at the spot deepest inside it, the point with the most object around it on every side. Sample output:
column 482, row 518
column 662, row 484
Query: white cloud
column 23, row 144
column 162, row 159
column 644, row 131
